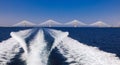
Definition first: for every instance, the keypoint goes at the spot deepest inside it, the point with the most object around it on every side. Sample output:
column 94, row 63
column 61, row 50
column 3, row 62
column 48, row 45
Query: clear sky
column 37, row 11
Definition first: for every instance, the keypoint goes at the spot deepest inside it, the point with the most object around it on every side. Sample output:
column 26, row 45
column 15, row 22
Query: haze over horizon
column 37, row 11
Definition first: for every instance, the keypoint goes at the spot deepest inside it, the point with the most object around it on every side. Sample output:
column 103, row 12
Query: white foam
column 82, row 54
column 37, row 52
column 58, row 36
column 8, row 49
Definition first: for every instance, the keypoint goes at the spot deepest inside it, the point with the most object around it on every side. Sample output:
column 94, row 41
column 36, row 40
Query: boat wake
column 38, row 45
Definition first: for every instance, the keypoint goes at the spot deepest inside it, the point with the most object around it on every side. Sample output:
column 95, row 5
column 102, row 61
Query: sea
column 106, row 39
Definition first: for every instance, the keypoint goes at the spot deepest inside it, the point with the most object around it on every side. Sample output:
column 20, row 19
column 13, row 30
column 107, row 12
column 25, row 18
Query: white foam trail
column 21, row 37
column 22, row 43
column 58, row 36
column 37, row 53
column 8, row 49
column 80, row 54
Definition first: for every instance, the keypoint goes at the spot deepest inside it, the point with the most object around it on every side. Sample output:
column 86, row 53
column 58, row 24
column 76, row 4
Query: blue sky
column 37, row 11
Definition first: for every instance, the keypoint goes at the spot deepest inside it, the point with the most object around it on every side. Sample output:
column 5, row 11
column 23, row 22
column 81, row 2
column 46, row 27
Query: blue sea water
column 106, row 39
